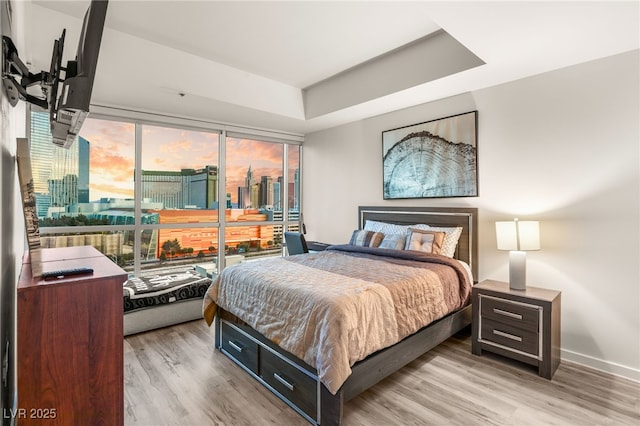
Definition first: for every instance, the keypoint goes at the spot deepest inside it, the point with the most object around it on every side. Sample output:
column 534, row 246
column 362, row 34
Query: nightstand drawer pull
column 283, row 381
column 507, row 335
column 235, row 346
column 507, row 313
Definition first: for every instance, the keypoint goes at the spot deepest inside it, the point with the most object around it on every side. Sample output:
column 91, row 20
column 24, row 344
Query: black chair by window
column 296, row 244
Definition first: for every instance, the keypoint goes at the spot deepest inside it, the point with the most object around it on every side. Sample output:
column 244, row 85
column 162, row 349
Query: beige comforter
column 336, row 307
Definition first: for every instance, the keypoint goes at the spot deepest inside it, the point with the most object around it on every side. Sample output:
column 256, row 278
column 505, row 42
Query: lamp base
column 518, row 270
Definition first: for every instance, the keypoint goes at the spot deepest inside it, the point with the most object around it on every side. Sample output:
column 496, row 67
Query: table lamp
column 518, row 237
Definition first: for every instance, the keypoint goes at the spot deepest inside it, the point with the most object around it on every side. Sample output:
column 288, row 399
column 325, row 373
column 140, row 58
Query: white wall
column 562, row 148
column 12, row 235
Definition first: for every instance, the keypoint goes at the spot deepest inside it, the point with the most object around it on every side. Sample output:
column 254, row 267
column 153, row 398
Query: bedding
column 162, row 289
column 336, row 307
column 451, row 233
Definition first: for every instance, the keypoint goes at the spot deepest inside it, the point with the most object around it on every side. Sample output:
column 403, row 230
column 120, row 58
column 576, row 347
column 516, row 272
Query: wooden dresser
column 70, row 341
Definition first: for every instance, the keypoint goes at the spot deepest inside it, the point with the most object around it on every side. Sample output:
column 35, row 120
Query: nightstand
column 317, row 246
column 519, row 324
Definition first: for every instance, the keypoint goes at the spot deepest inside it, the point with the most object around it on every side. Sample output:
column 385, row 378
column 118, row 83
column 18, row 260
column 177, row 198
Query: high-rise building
column 266, row 191
column 63, row 192
column 201, row 187
column 296, row 190
column 243, row 197
column 254, row 196
column 188, row 188
column 248, row 180
column 63, row 171
column 163, row 187
column 84, row 148
column 277, row 195
column 269, row 194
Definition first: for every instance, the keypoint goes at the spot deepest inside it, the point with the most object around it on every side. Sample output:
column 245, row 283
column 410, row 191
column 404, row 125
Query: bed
column 312, row 377
column 163, row 299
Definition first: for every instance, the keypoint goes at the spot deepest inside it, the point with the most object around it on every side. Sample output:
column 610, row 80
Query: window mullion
column 137, row 197
column 222, row 198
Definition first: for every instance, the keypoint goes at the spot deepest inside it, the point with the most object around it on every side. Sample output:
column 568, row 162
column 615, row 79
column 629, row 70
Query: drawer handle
column 283, row 381
column 236, row 346
column 507, row 335
column 507, row 313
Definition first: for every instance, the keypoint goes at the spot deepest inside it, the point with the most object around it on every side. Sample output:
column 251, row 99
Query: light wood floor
column 173, row 376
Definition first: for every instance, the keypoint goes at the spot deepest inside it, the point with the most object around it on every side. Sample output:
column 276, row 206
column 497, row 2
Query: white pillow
column 450, row 240
column 385, row 228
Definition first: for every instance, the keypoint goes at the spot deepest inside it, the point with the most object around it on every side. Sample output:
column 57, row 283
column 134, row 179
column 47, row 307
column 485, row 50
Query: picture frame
column 433, row 159
column 25, row 177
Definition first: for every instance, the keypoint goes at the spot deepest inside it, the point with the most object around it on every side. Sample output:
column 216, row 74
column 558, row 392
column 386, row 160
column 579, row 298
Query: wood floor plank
column 173, row 376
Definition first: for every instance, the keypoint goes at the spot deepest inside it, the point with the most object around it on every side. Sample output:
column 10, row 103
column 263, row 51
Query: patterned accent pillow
column 366, row 238
column 450, row 240
column 393, row 241
column 423, row 240
column 385, row 228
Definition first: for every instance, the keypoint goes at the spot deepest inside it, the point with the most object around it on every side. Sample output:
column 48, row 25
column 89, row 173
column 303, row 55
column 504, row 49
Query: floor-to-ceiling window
column 255, row 196
column 155, row 197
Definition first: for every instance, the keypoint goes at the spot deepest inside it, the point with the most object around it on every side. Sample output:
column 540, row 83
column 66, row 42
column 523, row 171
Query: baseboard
column 601, row 365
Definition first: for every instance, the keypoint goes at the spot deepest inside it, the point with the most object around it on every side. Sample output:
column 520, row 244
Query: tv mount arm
column 13, row 67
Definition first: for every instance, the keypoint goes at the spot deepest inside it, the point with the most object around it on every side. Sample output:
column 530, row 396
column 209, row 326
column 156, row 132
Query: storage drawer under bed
column 296, row 387
column 290, row 382
column 240, row 347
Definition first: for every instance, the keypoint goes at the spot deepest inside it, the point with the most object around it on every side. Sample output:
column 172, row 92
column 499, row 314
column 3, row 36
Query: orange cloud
column 107, row 191
column 113, row 146
column 174, row 149
column 109, row 163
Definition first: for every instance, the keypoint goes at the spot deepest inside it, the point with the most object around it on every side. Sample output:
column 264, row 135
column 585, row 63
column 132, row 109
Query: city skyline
column 169, row 149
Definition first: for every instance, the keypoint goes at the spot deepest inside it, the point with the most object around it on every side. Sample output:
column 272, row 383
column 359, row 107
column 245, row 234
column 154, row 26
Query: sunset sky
column 166, row 149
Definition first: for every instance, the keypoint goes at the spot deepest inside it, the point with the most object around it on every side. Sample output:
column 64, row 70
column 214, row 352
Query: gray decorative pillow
column 364, row 238
column 393, row 241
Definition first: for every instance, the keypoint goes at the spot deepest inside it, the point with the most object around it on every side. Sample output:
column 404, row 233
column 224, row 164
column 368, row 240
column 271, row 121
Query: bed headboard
column 467, row 218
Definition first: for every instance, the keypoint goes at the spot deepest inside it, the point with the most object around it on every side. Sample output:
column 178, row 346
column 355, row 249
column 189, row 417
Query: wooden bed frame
column 328, row 408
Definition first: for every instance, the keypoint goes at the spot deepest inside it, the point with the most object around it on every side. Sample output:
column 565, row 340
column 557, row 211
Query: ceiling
column 302, row 66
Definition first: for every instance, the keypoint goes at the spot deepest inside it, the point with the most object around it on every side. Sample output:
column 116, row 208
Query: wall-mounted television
column 66, row 91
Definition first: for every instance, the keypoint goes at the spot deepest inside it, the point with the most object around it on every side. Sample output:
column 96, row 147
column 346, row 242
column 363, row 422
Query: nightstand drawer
column 509, row 336
column 240, row 347
column 516, row 314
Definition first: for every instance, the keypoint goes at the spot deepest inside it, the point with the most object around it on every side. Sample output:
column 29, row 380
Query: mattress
column 162, row 316
column 163, row 289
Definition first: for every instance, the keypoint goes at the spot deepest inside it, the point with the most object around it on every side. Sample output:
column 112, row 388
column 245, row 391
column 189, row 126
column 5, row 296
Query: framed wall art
column 25, row 177
column 433, row 159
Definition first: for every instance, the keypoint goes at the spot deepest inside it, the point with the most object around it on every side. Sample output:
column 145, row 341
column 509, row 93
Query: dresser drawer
column 509, row 336
column 240, row 347
column 296, row 386
column 516, row 314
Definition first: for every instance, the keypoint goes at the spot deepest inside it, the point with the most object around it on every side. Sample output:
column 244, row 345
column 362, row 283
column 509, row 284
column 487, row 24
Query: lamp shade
column 518, row 235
